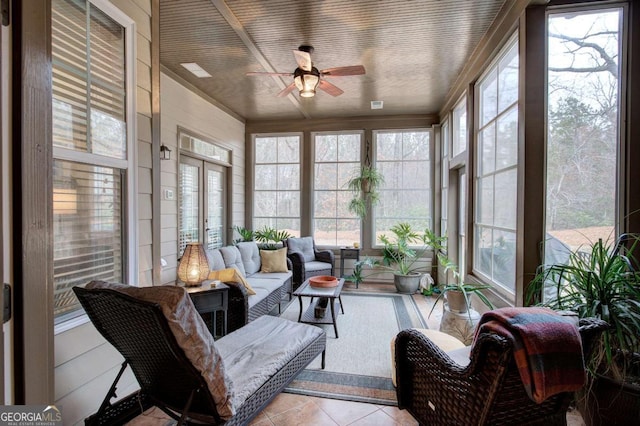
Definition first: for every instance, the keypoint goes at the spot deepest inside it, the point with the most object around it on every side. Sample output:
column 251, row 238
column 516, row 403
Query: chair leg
column 183, row 417
column 111, row 393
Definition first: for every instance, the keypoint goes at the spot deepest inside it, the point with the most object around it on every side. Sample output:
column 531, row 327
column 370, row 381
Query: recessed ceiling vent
column 376, row 104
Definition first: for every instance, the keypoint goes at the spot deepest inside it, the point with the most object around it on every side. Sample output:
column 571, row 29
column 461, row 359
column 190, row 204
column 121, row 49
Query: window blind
column 88, row 229
column 88, row 51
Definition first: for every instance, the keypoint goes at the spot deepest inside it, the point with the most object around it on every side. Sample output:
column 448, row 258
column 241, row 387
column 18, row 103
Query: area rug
column 358, row 363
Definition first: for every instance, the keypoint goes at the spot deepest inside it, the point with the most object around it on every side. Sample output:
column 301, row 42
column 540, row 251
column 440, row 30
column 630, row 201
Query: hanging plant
column 365, row 186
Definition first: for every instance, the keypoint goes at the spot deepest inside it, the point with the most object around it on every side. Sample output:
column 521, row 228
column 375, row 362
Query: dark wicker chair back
column 438, row 391
column 139, row 331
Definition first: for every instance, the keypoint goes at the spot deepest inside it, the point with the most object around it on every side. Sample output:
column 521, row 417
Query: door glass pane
column 215, row 205
column 583, row 114
column 188, row 188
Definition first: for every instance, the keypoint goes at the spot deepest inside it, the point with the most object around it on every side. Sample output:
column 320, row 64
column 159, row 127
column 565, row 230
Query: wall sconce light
column 193, row 267
column 165, row 152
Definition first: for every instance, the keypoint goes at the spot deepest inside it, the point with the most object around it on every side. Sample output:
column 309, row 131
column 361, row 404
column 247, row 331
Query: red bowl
column 323, row 281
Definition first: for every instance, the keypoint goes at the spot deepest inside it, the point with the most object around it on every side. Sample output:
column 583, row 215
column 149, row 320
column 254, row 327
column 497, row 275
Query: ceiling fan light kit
column 307, row 78
column 306, row 81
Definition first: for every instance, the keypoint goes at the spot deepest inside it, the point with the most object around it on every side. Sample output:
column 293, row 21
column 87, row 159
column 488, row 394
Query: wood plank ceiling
column 412, row 51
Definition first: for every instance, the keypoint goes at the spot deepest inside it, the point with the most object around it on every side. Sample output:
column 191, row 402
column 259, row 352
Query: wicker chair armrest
column 297, row 267
column 289, row 264
column 590, row 330
column 325, row 256
column 238, row 311
column 427, row 376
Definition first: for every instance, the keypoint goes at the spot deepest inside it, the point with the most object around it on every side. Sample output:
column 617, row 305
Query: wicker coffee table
column 331, row 293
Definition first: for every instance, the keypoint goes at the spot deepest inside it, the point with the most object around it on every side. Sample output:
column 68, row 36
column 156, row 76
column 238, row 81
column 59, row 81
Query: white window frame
column 130, row 164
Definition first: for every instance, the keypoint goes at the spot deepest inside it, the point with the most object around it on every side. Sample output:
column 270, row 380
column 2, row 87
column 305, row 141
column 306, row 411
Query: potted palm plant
column 602, row 280
column 364, row 186
column 270, row 238
column 400, row 253
column 244, row 233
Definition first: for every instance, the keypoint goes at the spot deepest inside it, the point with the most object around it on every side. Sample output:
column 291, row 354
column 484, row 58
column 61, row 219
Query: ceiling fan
column 306, row 78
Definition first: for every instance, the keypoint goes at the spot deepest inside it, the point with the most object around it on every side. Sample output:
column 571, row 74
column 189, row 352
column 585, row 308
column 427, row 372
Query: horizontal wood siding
column 181, row 107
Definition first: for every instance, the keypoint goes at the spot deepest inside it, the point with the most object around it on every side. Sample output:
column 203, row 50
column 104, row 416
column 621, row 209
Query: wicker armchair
column 438, row 391
column 307, row 260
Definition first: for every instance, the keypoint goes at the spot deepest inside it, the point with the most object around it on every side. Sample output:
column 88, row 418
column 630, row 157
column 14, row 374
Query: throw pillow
column 274, row 260
column 231, row 275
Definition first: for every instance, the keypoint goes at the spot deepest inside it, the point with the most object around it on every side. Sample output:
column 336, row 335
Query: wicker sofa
column 270, row 287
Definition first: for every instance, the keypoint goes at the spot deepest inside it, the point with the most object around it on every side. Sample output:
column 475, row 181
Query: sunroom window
column 496, row 170
column 405, row 160
column 337, row 159
column 276, row 186
column 584, row 60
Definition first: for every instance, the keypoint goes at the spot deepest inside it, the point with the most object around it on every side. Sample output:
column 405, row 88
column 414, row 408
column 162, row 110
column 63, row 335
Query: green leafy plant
column 403, row 249
column 457, row 284
column 600, row 281
column 356, row 277
column 364, row 186
column 270, row 237
column 245, row 234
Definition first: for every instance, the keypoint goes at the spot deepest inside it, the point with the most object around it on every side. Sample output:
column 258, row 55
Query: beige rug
column 358, row 363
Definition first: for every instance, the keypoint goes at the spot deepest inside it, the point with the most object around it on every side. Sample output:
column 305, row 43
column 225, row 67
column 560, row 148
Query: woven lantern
column 193, row 267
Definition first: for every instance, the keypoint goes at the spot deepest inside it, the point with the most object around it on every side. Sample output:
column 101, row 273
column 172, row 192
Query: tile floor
column 289, row 409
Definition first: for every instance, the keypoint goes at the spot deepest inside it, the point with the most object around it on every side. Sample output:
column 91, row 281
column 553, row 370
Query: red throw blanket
column 547, row 348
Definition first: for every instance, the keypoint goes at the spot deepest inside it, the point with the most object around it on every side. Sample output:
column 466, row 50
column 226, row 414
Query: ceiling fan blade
column 342, row 71
column 303, row 59
column 284, row 74
column 284, row 92
column 330, row 88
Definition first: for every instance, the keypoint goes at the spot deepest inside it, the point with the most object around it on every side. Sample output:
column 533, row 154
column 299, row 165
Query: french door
column 202, row 203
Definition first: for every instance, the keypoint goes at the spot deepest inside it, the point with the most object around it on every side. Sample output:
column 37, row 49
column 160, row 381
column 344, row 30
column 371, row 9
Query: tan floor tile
column 377, row 418
column 284, row 402
column 308, row 414
column 345, row 412
column 261, row 420
column 400, row 416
